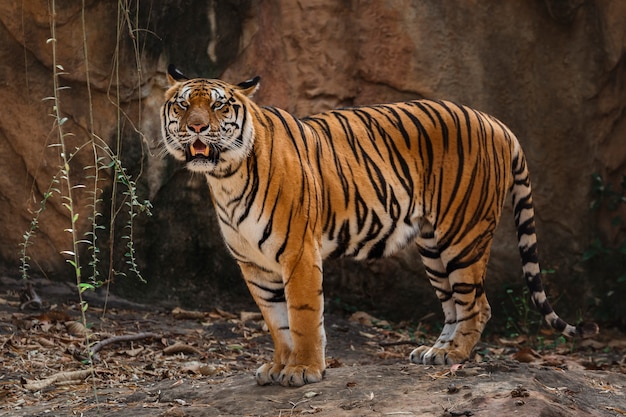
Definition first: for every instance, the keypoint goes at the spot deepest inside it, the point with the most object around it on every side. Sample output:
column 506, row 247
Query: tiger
column 360, row 182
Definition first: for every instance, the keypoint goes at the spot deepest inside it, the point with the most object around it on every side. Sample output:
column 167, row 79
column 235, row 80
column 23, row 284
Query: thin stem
column 69, row 198
column 94, row 213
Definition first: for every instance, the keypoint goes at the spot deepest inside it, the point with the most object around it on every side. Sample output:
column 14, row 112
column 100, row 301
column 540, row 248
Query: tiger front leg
column 268, row 292
column 305, row 303
column 293, row 311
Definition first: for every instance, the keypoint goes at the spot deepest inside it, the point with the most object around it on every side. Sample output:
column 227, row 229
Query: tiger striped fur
column 362, row 182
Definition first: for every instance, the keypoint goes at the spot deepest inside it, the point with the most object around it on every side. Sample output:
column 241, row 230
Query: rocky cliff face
column 553, row 71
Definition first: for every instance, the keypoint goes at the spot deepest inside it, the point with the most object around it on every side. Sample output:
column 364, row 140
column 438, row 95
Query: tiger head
column 207, row 123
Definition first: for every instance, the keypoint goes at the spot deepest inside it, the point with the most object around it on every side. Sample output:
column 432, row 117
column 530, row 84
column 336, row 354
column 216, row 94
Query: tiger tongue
column 199, row 148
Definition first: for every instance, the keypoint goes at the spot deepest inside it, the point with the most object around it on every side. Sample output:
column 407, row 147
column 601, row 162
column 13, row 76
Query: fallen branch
column 61, row 377
column 93, row 354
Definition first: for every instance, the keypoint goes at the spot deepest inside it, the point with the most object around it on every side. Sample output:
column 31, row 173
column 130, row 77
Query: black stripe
column 278, row 295
column 435, row 273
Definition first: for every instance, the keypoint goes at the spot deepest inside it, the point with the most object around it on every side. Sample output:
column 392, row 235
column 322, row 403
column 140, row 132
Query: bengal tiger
column 361, row 182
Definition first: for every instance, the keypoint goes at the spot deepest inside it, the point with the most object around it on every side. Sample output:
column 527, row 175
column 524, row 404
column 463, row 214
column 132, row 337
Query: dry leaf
column 616, row 410
column 76, row 328
column 362, row 317
column 61, row 377
column 217, row 313
column 250, row 316
column 181, row 348
column 45, row 342
column 455, row 368
column 519, row 340
column 617, row 344
column 180, row 314
column 333, row 363
column 54, row 316
column 526, row 355
column 594, row 344
column 368, row 320
column 200, row 368
column 133, row 352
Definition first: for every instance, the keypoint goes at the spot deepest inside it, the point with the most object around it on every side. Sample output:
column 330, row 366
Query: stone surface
column 553, row 71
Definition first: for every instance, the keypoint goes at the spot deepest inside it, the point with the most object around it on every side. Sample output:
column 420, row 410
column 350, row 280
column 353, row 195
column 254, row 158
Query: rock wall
column 553, row 71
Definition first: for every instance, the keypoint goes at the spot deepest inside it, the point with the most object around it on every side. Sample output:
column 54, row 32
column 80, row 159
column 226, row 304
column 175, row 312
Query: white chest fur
column 243, row 227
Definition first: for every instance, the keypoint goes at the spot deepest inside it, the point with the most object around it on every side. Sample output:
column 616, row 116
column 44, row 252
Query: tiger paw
column 269, row 373
column 425, row 355
column 299, row 375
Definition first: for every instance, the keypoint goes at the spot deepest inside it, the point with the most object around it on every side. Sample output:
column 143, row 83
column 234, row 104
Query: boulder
column 553, row 71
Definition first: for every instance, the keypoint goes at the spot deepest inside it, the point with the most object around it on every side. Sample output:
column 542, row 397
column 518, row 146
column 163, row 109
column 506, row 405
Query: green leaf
column 84, row 286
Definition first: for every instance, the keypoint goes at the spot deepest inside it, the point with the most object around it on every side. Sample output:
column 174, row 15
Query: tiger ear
column 174, row 75
column 249, row 87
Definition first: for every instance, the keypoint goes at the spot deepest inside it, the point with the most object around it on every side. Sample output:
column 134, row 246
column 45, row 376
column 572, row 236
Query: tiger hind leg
column 465, row 306
column 439, row 280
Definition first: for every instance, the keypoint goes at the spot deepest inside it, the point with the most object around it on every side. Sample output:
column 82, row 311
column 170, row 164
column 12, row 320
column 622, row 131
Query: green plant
column 605, row 197
column 522, row 317
column 551, row 344
column 343, row 306
column 605, row 256
column 69, row 183
column 77, row 185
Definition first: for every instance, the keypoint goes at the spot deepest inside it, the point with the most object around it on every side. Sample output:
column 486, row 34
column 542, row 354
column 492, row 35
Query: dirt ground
column 172, row 362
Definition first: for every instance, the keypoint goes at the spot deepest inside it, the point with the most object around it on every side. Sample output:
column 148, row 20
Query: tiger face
column 205, row 123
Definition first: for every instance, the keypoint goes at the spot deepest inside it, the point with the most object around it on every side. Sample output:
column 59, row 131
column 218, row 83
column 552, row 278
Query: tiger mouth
column 199, row 150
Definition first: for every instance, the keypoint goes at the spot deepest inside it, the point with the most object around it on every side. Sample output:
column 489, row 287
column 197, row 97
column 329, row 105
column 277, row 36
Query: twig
column 399, row 342
column 124, row 338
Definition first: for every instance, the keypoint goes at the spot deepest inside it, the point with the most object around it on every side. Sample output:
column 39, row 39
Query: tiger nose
column 197, row 127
